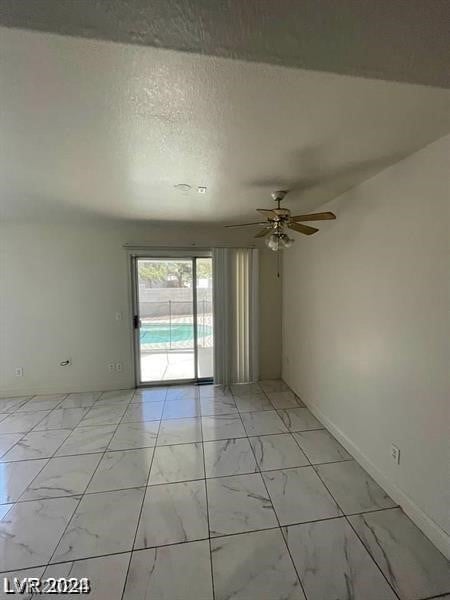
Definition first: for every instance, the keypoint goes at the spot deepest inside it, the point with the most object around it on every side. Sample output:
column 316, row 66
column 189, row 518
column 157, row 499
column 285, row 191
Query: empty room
column 224, row 299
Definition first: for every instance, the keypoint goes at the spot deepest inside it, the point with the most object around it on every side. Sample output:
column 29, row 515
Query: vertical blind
column 235, row 297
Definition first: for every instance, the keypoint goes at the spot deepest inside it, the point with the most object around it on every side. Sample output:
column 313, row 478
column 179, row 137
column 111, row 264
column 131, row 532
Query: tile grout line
column 16, row 412
column 143, row 500
column 281, row 528
column 371, row 556
column 156, row 485
column 205, row 480
column 13, row 446
column 224, row 535
column 122, row 450
column 38, row 457
column 49, row 411
column 207, row 511
column 82, row 495
column 15, row 502
column 339, row 506
column 345, row 516
column 278, row 521
column 31, row 412
column 37, row 396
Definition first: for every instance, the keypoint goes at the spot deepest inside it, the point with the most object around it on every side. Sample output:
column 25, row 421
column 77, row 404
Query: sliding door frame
column 164, row 254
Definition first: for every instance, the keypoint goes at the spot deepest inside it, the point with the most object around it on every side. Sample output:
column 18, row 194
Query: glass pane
column 166, row 329
column 205, row 332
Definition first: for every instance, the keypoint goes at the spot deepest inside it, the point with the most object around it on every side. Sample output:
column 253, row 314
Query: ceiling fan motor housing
column 282, row 212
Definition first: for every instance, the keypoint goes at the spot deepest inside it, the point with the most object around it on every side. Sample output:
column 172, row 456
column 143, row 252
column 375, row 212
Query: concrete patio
column 175, row 364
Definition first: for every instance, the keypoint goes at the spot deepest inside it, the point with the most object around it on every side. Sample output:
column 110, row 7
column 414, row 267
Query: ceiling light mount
column 182, row 187
column 279, row 195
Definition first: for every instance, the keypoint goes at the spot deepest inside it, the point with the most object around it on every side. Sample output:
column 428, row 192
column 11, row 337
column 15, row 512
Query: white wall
column 60, row 287
column 366, row 329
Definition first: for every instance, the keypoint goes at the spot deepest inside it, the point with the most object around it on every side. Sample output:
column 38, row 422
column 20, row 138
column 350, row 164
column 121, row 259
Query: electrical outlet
column 395, row 454
column 19, row 372
column 119, row 367
column 111, row 367
column 119, row 316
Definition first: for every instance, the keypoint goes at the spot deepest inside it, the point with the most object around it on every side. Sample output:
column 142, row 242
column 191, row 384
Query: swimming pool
column 164, row 333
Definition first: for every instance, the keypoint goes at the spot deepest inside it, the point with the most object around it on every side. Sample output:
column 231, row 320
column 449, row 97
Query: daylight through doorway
column 174, row 320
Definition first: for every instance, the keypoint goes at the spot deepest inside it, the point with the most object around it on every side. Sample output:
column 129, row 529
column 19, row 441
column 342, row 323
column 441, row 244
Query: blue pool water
column 160, row 333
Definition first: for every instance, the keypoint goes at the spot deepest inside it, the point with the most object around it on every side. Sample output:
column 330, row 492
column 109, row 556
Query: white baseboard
column 433, row 532
column 66, row 389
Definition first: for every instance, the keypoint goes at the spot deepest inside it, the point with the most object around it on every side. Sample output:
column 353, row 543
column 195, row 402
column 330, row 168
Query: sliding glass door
column 173, row 321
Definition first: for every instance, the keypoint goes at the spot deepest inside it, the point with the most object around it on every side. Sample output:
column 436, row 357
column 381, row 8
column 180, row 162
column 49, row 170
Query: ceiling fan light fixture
column 278, row 241
column 286, row 240
column 272, row 241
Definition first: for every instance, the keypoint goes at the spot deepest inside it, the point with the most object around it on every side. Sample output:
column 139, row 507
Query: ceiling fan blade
column 246, row 224
column 265, row 212
column 306, row 229
column 322, row 216
column 263, row 232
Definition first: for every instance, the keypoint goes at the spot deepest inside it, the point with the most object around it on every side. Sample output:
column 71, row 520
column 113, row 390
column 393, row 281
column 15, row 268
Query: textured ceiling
column 402, row 40
column 98, row 128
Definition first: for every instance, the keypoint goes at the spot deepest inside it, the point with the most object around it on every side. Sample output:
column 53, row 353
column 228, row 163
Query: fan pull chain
column 278, row 264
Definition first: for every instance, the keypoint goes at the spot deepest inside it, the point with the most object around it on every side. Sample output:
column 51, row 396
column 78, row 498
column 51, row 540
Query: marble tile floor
column 199, row 493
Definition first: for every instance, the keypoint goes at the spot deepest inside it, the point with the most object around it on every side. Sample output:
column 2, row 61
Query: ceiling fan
column 278, row 219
